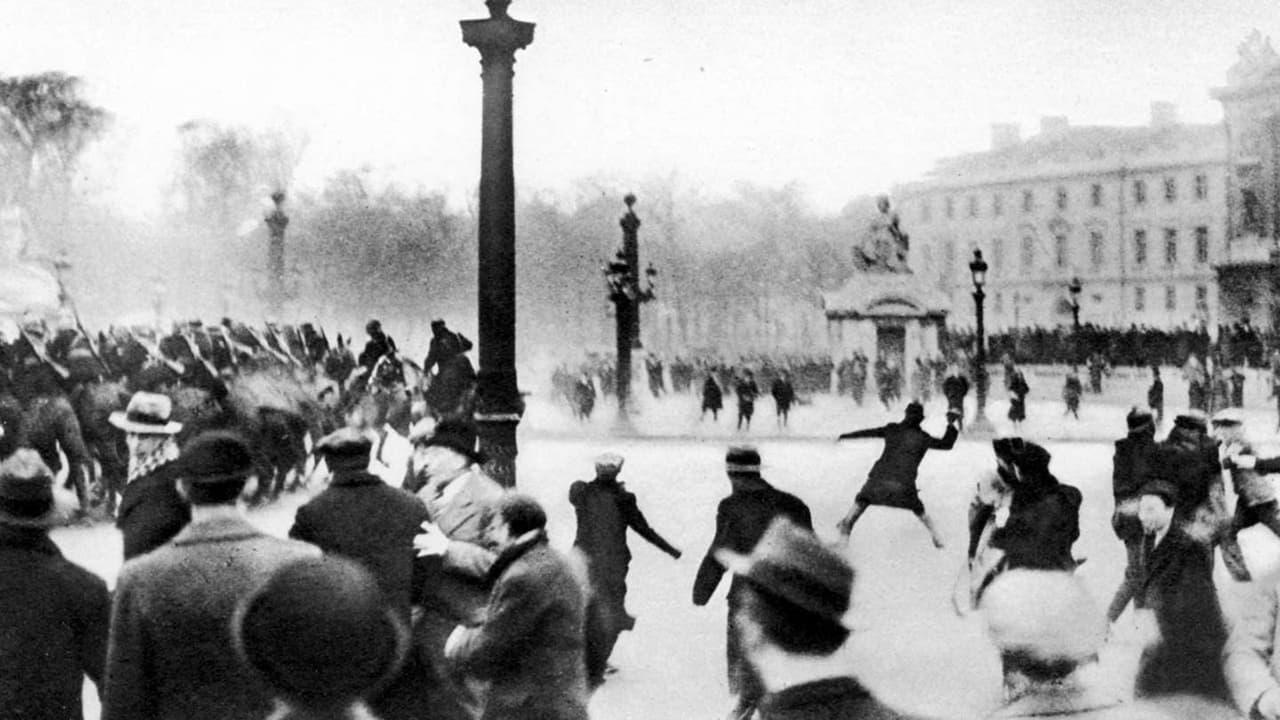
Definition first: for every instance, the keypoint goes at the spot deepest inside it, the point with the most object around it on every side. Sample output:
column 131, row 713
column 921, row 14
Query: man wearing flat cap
column 151, row 511
column 741, row 519
column 454, row 553
column 1132, row 465
column 791, row 623
column 892, row 480
column 1255, row 495
column 360, row 517
column 53, row 613
column 605, row 510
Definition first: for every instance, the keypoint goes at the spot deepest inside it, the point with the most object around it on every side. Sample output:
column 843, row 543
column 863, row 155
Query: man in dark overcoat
column 712, row 397
column 1133, row 464
column 151, row 511
column 605, row 511
column 530, row 645
column 892, row 480
column 1044, row 515
column 361, row 518
column 741, row 519
column 784, row 396
column 1177, row 586
column 53, row 613
column 955, row 387
column 170, row 655
column 746, row 389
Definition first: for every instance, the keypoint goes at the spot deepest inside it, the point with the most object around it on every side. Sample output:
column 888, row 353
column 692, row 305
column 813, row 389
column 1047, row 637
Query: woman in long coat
column 712, row 397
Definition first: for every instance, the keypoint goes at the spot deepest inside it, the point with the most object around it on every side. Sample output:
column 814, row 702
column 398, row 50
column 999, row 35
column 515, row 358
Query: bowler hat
column 1139, row 418
column 213, row 457
column 914, row 410
column 457, row 434
column 1046, row 616
column 345, row 449
column 1162, row 489
column 26, row 492
column 1192, row 419
column 147, row 414
column 320, row 633
column 1030, row 457
column 742, row 459
column 791, row 564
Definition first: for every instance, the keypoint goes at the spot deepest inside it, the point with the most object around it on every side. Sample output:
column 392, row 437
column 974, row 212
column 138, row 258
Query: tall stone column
column 276, row 221
column 498, row 402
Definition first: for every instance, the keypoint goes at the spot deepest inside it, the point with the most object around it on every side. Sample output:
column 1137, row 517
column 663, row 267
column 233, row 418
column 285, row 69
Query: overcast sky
column 844, row 97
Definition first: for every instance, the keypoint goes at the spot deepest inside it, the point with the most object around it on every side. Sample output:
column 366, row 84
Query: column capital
column 499, row 34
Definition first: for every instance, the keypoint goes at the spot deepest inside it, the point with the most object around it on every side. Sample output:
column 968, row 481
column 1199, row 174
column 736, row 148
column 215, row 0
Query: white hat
column 609, row 460
column 147, row 414
column 1229, row 416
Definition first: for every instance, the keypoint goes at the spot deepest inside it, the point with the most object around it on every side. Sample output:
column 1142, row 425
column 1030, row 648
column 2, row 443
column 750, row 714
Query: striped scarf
column 144, row 463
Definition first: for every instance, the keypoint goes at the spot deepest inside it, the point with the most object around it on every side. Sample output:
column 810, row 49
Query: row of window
column 1097, row 249
column 1139, row 299
column 1062, row 198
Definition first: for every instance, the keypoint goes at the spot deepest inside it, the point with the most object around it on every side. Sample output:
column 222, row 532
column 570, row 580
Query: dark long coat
column 53, row 628
column 530, row 646
column 1177, row 584
column 838, row 698
column 605, row 510
column 892, row 480
column 1043, row 524
column 151, row 511
column 362, row 518
column 741, row 518
column 170, row 655
column 712, row 396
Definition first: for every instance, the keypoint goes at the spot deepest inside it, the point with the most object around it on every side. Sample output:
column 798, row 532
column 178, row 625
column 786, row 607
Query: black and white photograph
column 584, row 359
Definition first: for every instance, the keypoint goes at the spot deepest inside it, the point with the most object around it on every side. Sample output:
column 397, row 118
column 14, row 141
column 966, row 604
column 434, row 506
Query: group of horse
column 281, row 387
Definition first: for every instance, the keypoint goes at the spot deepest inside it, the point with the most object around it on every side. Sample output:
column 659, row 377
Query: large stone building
column 1166, row 225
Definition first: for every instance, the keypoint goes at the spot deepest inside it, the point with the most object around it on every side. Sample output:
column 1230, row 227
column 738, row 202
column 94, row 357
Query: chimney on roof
column 1163, row 114
column 1052, row 125
column 1005, row 135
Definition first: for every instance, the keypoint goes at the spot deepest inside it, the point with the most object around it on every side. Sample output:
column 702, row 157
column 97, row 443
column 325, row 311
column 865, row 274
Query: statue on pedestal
column 883, row 247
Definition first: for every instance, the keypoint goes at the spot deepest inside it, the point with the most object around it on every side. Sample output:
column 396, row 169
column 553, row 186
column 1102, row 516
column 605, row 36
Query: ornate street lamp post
column 498, row 402
column 1074, row 288
column 978, row 269
column 627, row 293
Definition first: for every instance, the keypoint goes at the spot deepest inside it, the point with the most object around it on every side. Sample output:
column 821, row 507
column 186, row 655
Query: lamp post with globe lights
column 1074, row 287
column 978, row 271
column 627, row 292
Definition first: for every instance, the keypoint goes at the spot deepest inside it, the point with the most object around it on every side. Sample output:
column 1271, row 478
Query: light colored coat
column 1249, row 661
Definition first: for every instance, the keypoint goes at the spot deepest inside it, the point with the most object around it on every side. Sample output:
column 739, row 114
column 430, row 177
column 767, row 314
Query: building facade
column 1168, row 225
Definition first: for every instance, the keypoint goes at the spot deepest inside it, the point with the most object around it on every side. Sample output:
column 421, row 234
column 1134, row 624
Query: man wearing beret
column 53, row 613
column 361, row 518
column 741, row 519
column 605, row 511
column 170, row 655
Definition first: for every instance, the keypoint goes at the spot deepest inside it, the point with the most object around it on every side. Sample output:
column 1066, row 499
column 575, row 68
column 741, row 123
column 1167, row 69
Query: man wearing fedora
column 338, row 521
column 455, row 558
column 151, row 511
column 319, row 633
column 530, row 644
column 791, row 624
column 605, row 510
column 741, row 519
column 53, row 613
column 170, row 654
column 892, row 480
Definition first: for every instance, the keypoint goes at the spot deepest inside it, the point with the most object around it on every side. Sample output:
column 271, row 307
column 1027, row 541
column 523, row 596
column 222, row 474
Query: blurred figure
column 955, row 387
column 1176, row 585
column 151, row 510
column 1048, row 630
column 378, row 345
column 1071, row 391
column 605, row 510
column 53, row 613
column 741, row 519
column 892, row 480
column 530, row 644
column 1132, row 466
column 338, row 522
column 1016, row 382
column 712, row 398
column 784, row 395
column 1251, row 663
column 1155, row 395
column 790, row 623
column 1255, row 495
column 322, row 637
column 170, row 652
column 747, row 392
